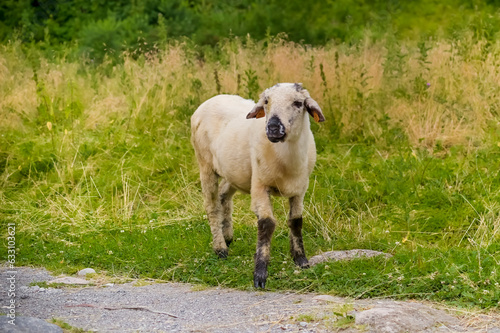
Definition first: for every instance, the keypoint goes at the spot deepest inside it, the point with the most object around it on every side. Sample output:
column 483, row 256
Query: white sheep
column 271, row 155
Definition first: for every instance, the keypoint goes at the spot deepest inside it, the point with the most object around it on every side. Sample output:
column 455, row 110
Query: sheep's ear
column 314, row 110
column 257, row 111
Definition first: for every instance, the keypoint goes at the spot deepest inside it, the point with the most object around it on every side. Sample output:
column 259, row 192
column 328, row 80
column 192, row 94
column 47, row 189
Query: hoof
column 222, row 254
column 259, row 281
column 302, row 262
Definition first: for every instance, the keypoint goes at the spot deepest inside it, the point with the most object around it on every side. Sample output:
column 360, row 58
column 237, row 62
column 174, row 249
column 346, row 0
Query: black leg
column 266, row 228
column 296, row 243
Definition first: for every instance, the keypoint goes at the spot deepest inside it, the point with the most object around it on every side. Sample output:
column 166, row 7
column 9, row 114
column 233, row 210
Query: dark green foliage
column 101, row 27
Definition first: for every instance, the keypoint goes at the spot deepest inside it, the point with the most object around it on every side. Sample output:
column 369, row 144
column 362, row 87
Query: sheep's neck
column 292, row 155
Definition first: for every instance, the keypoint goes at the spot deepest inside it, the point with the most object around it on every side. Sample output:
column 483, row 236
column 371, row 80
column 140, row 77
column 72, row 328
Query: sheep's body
column 229, row 143
column 240, row 151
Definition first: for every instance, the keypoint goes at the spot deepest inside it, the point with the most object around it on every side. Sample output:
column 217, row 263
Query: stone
column 86, row 271
column 395, row 318
column 345, row 255
column 27, row 325
column 69, row 280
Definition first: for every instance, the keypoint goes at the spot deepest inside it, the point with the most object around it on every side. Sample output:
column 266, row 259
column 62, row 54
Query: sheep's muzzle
column 275, row 130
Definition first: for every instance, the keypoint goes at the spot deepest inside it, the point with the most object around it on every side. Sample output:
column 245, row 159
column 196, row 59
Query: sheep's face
column 284, row 106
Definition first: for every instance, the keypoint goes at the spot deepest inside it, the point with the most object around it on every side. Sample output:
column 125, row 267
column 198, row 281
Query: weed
column 308, row 318
column 67, row 328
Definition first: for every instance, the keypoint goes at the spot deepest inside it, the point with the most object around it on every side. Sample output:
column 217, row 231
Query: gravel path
column 173, row 307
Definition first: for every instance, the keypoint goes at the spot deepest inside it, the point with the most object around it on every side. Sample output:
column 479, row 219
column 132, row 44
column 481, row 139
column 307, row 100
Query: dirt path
column 173, row 307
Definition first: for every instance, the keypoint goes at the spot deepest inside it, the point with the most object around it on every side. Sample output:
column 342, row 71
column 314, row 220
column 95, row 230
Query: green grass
column 67, row 328
column 96, row 168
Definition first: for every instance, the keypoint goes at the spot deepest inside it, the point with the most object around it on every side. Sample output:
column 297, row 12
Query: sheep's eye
column 297, row 104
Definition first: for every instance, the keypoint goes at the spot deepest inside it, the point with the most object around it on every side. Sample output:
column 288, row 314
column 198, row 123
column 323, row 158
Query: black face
column 275, row 130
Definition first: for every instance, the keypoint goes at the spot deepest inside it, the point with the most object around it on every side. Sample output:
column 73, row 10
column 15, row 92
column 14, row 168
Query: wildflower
column 428, row 84
column 486, row 292
column 122, row 230
column 110, row 252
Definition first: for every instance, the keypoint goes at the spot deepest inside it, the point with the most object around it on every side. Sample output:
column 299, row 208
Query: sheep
column 263, row 149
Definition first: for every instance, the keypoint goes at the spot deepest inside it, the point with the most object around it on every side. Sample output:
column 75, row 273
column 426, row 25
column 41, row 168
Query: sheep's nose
column 275, row 130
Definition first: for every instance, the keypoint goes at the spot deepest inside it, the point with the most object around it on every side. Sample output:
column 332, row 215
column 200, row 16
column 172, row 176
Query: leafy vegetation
column 99, row 28
column 96, row 167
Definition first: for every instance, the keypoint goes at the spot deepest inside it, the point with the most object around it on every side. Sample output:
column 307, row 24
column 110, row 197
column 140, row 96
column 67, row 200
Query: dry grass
column 360, row 83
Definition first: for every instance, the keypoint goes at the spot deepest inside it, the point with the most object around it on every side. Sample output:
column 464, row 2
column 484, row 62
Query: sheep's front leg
column 295, row 224
column 261, row 205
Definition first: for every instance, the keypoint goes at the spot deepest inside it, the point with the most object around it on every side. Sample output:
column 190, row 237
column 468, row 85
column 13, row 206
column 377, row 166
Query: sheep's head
column 284, row 106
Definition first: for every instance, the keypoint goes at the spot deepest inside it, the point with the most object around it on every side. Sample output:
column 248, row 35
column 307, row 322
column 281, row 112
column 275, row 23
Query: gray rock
column 86, row 271
column 27, row 325
column 345, row 255
column 408, row 317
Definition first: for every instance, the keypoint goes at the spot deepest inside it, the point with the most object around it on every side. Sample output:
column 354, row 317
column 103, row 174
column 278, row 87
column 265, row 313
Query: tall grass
column 407, row 160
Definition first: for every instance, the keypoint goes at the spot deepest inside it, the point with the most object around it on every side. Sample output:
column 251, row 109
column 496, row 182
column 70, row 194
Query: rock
column 413, row 317
column 27, row 325
column 69, row 280
column 303, row 324
column 324, row 298
column 345, row 255
column 86, row 271
column 109, row 285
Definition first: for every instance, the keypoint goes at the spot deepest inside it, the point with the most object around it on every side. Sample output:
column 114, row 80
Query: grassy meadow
column 96, row 167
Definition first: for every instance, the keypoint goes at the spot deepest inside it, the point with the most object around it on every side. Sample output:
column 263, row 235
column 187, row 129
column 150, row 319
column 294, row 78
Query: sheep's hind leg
column 226, row 192
column 295, row 224
column 209, row 186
